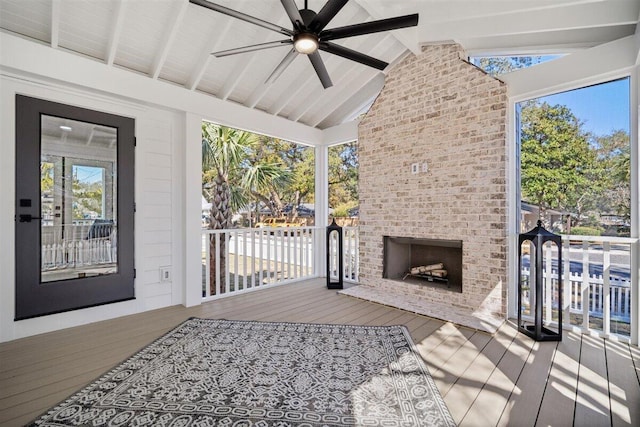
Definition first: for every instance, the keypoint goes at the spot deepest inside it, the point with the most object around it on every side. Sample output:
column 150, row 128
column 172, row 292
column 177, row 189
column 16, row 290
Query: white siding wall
column 167, row 185
column 158, row 179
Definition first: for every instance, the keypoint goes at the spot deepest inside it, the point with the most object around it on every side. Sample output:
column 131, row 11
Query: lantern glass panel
column 550, row 289
column 528, row 274
column 334, row 253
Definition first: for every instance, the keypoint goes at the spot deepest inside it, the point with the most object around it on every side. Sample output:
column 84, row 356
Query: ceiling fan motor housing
column 307, row 17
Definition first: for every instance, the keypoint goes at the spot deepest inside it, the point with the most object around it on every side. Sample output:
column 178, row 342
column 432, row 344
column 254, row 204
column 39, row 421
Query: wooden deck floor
column 505, row 379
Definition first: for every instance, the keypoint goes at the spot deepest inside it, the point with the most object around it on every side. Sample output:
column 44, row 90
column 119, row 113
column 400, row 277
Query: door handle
column 28, row 217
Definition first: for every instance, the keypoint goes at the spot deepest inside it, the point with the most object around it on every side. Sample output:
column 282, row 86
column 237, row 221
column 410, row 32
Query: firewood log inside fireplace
column 438, row 273
column 426, row 269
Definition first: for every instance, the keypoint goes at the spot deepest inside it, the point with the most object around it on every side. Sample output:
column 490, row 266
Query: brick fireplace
column 432, row 153
column 403, row 255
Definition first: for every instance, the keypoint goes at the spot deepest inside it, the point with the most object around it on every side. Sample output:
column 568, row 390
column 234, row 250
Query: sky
column 88, row 174
column 603, row 108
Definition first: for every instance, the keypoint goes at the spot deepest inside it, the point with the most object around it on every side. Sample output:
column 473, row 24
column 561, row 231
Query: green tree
column 614, row 153
column 559, row 168
column 229, row 178
column 343, row 176
column 496, row 65
column 299, row 161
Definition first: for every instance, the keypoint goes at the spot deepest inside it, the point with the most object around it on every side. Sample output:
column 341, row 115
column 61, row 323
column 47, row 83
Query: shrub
column 586, row 231
column 342, row 210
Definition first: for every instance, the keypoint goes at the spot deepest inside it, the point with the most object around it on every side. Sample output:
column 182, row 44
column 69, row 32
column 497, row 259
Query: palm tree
column 233, row 178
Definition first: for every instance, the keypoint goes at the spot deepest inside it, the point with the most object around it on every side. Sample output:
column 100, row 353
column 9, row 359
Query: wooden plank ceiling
column 171, row 40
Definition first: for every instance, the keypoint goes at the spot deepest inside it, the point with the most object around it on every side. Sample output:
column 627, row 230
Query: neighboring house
column 530, row 213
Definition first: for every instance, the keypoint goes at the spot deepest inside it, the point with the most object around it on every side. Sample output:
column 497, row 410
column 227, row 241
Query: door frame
column 33, row 298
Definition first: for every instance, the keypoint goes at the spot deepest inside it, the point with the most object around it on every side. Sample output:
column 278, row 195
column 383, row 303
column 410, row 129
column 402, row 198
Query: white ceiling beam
column 306, row 103
column 358, row 81
column 351, row 87
column 344, row 68
column 243, row 65
column 257, row 95
column 451, row 11
column 55, row 23
column 169, row 36
column 298, row 85
column 345, row 71
column 359, row 99
column 547, row 43
column 91, row 134
column 245, row 62
column 589, row 15
column 116, row 31
column 217, row 36
column 57, row 67
column 340, row 134
column 571, row 71
column 407, row 36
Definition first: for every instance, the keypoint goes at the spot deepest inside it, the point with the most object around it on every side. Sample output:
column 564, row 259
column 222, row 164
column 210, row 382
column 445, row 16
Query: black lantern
column 334, row 258
column 540, row 291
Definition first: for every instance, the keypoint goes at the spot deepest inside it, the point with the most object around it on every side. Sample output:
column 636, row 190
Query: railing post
column 206, row 243
column 261, row 262
column 219, row 237
column 635, row 293
column 227, row 262
column 584, row 293
column 606, row 291
column 245, row 282
column 568, row 285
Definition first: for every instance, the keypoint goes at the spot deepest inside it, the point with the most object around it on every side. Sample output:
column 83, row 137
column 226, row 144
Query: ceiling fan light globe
column 305, row 43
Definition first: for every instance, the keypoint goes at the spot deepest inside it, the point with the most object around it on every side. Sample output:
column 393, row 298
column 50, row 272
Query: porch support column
column 321, row 207
column 635, row 206
column 192, row 224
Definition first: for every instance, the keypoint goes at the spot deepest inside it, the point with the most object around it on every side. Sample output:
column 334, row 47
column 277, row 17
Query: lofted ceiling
column 172, row 41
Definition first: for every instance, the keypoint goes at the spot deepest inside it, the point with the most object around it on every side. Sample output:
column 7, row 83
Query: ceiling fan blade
column 293, row 12
column 242, row 16
column 353, row 55
column 370, row 27
column 321, row 70
column 251, row 48
column 326, row 14
column 282, row 66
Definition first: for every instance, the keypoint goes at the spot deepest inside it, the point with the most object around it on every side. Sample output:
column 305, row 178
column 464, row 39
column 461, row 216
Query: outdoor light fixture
column 67, row 128
column 540, row 292
column 335, row 268
column 305, row 43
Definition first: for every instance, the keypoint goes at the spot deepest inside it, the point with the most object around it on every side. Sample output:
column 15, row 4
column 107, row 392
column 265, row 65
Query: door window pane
column 77, row 198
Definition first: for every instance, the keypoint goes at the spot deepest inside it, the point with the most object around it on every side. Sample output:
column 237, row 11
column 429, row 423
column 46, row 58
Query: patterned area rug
column 235, row 373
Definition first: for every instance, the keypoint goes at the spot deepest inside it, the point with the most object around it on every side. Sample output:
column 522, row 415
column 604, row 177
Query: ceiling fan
column 309, row 35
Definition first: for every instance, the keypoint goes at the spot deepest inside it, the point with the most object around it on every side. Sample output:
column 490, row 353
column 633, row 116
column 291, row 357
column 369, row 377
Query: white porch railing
column 267, row 256
column 596, row 271
column 80, row 244
column 597, row 286
column 247, row 259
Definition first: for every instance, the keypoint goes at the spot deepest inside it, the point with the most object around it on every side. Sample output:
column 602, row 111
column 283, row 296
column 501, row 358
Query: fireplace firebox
column 429, row 262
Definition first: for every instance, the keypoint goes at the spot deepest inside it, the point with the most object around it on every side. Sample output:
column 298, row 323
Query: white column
column 321, row 207
column 635, row 208
column 192, row 203
column 513, row 209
